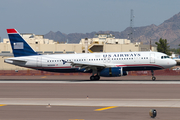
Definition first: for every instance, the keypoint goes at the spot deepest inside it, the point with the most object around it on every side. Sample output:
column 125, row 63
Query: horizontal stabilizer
column 14, row 61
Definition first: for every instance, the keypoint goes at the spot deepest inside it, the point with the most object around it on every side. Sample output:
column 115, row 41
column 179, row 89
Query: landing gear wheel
column 97, row 77
column 153, row 78
column 92, row 78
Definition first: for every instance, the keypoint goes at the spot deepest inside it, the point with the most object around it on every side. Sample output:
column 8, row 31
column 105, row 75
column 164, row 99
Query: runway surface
column 43, row 98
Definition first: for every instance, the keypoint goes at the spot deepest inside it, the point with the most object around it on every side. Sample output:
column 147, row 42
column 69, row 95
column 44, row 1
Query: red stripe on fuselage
column 11, row 31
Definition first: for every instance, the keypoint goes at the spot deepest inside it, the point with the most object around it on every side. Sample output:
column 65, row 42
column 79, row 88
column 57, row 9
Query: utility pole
column 150, row 46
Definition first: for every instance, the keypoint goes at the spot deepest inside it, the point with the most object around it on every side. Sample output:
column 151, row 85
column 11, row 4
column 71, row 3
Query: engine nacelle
column 113, row 72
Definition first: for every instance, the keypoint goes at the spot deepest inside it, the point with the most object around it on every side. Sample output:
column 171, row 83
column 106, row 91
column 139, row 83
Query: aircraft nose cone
column 173, row 63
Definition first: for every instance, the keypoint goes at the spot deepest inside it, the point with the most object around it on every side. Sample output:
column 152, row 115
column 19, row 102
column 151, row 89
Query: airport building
column 100, row 43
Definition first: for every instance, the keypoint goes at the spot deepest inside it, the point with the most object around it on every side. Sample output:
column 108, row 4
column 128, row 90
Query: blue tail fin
column 19, row 46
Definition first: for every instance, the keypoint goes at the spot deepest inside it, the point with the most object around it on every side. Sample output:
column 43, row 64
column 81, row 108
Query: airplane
column 113, row 64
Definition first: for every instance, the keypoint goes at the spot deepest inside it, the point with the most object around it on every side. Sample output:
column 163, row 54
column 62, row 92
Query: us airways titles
column 122, row 55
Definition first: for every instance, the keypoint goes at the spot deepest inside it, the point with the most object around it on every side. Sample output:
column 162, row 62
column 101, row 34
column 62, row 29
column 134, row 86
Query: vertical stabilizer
column 19, row 46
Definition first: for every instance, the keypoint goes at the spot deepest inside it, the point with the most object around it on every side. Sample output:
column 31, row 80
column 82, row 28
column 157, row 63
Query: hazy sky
column 82, row 16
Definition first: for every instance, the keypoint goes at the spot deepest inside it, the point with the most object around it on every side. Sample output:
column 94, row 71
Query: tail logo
column 18, row 45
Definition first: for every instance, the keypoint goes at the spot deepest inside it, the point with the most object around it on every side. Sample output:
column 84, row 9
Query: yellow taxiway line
column 43, row 77
column 76, row 119
column 106, row 108
column 2, row 105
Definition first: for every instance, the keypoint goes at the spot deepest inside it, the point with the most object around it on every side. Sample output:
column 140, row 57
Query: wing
column 87, row 65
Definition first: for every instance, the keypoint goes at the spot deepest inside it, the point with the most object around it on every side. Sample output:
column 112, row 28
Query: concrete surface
column 84, row 113
column 78, row 98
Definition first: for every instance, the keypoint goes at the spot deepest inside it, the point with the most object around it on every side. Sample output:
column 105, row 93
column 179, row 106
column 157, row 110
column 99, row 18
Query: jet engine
column 113, row 72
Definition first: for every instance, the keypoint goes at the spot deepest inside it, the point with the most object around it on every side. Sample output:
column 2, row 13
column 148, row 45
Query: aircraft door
column 152, row 58
column 39, row 61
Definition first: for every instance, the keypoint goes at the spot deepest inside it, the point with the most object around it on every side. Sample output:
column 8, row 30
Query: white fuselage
column 129, row 61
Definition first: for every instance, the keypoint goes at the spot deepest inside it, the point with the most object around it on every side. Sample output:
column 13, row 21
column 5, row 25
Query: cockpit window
column 164, row 57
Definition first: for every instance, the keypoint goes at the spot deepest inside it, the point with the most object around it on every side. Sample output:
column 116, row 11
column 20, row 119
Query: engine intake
column 113, row 72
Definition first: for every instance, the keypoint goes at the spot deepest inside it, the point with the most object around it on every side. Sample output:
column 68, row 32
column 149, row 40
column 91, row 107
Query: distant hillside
column 169, row 29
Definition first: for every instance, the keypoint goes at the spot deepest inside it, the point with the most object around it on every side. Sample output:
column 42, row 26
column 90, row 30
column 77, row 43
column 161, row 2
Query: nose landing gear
column 153, row 77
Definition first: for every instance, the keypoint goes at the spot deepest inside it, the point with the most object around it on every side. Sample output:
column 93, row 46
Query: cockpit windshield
column 164, row 57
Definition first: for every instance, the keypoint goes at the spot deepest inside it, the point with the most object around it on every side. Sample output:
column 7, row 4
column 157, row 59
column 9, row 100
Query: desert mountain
column 169, row 29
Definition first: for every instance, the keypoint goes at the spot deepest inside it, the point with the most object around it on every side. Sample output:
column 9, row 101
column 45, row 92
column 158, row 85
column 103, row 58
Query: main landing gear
column 96, row 77
column 95, row 74
column 153, row 77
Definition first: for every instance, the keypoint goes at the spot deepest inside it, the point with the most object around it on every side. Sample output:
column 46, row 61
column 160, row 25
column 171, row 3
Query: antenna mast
column 131, row 25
